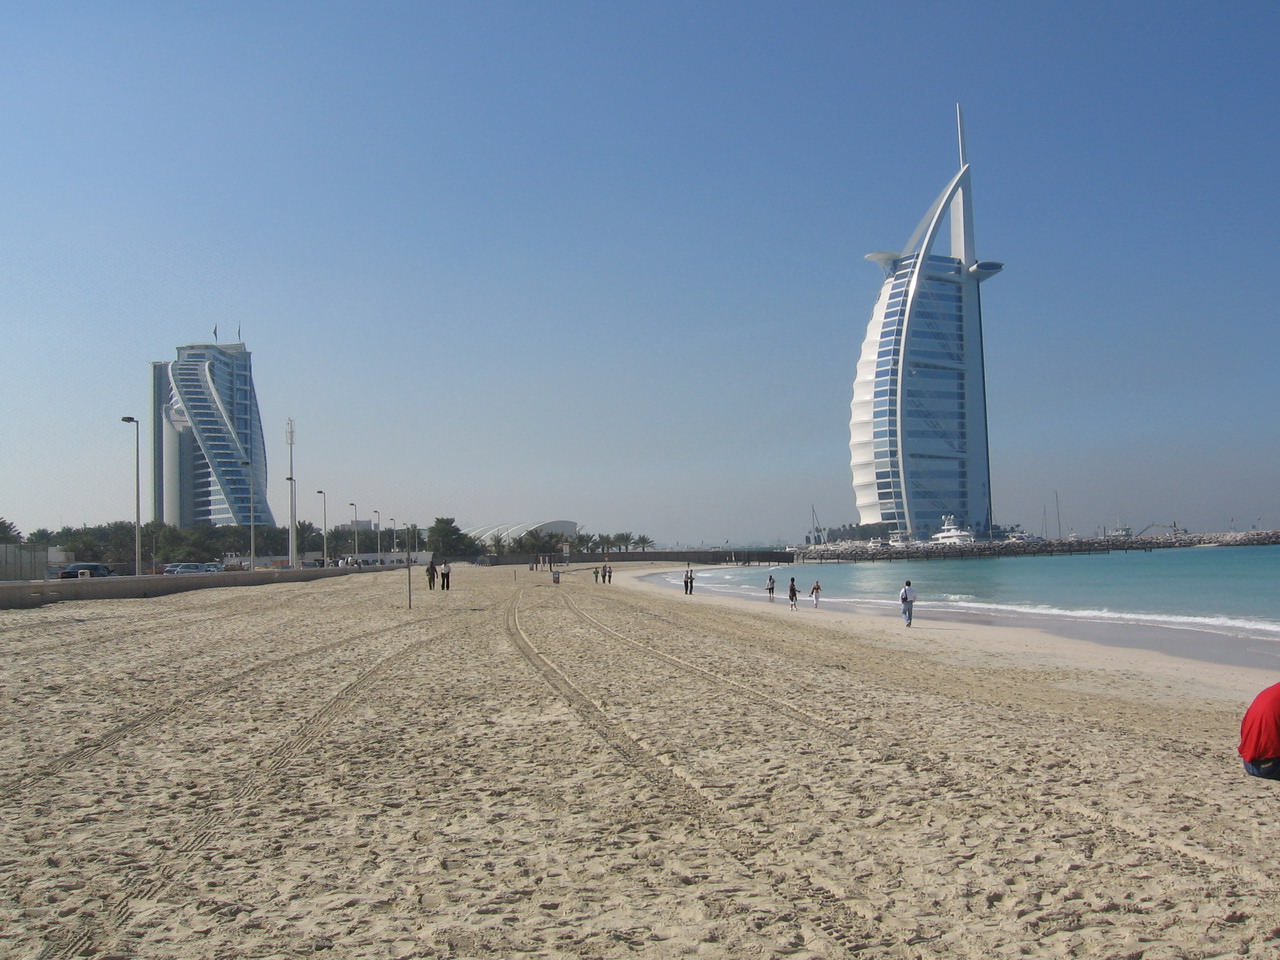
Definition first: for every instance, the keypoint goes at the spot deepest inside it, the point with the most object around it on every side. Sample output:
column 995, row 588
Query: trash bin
column 555, row 576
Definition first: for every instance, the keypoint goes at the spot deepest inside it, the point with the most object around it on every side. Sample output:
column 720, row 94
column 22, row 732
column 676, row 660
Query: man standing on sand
column 907, row 595
column 769, row 588
column 431, row 575
column 445, row 570
column 1260, row 735
column 814, row 591
column 792, row 592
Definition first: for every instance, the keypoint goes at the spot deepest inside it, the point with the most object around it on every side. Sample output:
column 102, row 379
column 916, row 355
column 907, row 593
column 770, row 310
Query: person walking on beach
column 814, row 591
column 596, row 573
column 1260, row 735
column 445, row 570
column 792, row 593
column 608, row 573
column 907, row 595
column 688, row 581
column 431, row 575
column 768, row 588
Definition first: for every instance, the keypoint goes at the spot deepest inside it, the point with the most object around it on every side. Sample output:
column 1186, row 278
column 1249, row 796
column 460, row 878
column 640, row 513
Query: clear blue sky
column 604, row 261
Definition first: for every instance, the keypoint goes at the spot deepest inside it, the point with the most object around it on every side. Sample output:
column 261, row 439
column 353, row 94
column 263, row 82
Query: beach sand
column 520, row 769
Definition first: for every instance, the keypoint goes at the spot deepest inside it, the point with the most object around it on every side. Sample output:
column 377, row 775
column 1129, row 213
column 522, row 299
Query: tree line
column 113, row 543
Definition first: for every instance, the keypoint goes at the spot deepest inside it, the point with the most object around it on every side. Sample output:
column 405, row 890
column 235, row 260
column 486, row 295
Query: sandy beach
column 517, row 768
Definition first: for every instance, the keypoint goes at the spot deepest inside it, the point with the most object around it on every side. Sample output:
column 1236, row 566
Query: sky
column 604, row 262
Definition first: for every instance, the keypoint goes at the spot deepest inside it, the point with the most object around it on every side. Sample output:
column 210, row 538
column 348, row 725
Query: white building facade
column 918, row 423
column 209, row 458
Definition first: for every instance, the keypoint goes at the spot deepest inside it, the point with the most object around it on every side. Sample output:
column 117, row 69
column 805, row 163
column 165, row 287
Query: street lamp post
column 324, row 526
column 137, row 495
column 293, row 500
column 253, row 511
column 393, row 534
column 293, row 523
column 377, row 526
column 355, row 531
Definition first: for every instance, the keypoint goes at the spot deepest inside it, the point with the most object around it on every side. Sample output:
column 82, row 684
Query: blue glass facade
column 918, row 426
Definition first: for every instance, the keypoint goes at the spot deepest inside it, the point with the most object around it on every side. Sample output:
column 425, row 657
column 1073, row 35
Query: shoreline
column 1184, row 643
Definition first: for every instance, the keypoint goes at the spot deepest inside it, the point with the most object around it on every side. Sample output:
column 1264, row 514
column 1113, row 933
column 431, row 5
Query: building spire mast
column 960, row 132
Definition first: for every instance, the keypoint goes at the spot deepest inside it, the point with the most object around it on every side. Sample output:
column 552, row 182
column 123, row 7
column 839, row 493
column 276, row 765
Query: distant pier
column 863, row 552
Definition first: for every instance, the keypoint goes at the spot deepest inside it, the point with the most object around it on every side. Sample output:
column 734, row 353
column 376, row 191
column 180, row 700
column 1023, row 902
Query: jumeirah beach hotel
column 918, row 425
column 209, row 457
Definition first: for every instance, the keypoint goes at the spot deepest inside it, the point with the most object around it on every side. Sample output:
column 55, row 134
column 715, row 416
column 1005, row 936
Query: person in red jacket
column 1260, row 735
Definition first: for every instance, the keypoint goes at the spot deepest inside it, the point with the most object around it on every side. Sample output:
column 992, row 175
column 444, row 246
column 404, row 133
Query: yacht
column 951, row 532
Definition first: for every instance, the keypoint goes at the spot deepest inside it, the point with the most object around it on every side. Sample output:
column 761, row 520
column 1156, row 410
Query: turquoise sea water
column 1232, row 591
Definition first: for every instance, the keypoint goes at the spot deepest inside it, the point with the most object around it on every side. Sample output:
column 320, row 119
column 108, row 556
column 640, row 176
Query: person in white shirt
column 907, row 595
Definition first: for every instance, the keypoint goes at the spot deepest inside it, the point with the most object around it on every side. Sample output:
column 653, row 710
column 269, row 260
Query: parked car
column 95, row 570
column 184, row 568
column 213, row 567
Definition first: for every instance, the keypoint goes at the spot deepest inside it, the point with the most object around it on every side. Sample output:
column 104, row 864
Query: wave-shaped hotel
column 918, row 425
column 209, row 458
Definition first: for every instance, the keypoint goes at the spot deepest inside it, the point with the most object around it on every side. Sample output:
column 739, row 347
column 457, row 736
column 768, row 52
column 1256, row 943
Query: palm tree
column 309, row 537
column 9, row 533
column 642, row 542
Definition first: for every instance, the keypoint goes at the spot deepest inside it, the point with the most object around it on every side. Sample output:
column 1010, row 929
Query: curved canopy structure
column 509, row 531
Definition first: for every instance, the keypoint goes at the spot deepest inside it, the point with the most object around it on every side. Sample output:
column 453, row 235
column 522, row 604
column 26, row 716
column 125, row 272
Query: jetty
column 858, row 551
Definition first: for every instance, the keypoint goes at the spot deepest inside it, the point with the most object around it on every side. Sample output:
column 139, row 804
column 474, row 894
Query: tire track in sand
column 815, row 907
column 123, row 904
column 13, row 788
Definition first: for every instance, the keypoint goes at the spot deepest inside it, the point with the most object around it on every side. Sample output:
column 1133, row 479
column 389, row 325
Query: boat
column 1018, row 536
column 951, row 532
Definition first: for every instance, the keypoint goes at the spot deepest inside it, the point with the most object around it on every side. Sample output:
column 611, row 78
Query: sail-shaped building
column 209, row 458
column 918, row 425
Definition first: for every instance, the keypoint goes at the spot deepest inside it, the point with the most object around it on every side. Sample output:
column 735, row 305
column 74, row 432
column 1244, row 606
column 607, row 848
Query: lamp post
column 324, row 526
column 253, row 511
column 137, row 495
column 355, row 531
column 293, row 500
column 377, row 526
column 393, row 534
column 293, row 523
